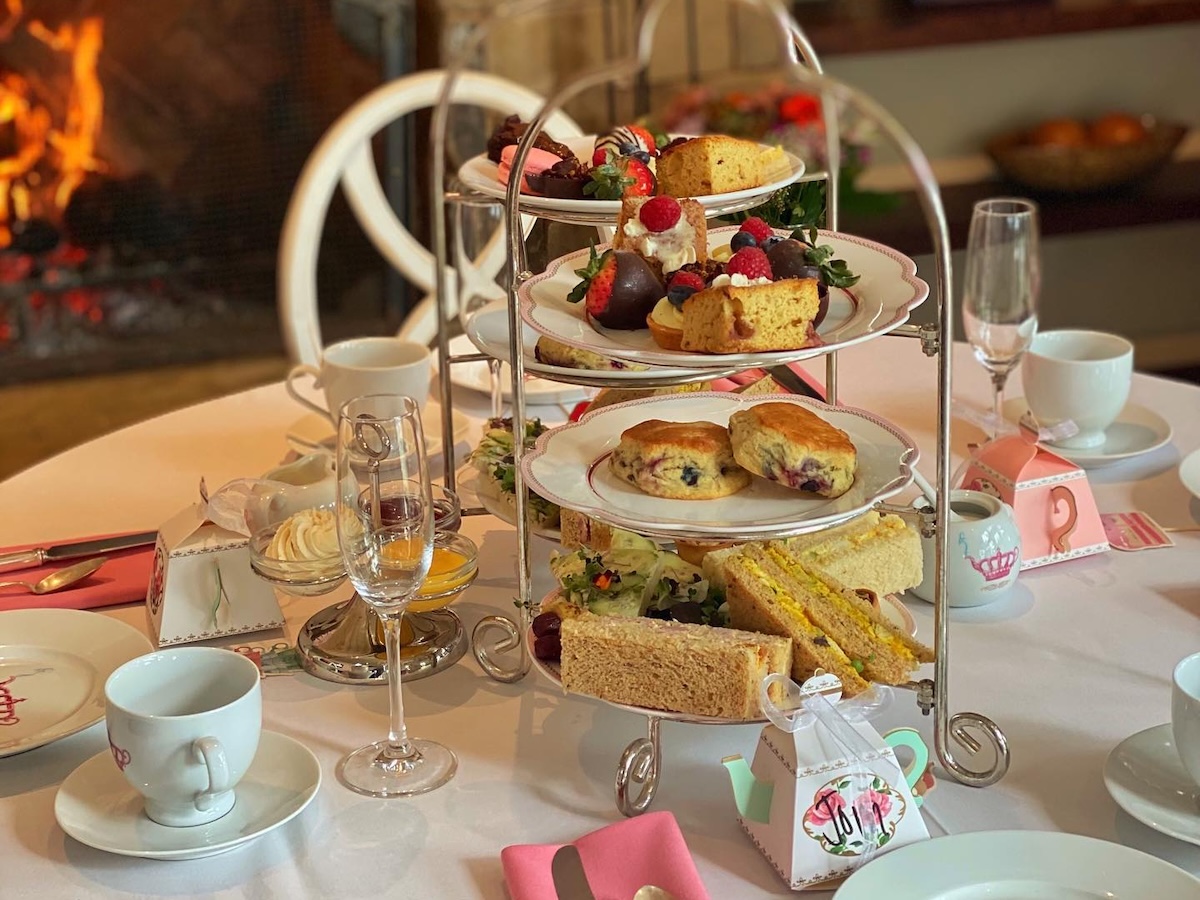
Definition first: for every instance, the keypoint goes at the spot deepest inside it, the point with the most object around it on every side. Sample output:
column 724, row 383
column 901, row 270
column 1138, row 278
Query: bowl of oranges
column 1070, row 155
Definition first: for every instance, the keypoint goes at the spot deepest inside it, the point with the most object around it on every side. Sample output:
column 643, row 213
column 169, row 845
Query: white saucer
column 97, row 806
column 1189, row 473
column 476, row 377
column 1137, row 430
column 1146, row 778
column 53, row 665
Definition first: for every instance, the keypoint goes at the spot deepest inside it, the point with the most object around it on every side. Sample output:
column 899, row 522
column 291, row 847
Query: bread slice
column 751, row 318
column 887, row 653
column 713, row 164
column 880, row 553
column 791, row 444
column 667, row 251
column 694, row 669
column 759, row 602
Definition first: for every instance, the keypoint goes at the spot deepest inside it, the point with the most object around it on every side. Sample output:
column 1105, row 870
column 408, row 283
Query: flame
column 70, row 148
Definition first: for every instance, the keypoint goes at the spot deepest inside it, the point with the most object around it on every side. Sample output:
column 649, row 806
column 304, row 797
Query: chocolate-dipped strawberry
column 800, row 257
column 619, row 289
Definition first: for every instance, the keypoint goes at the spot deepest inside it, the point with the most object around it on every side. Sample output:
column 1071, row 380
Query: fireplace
column 147, row 155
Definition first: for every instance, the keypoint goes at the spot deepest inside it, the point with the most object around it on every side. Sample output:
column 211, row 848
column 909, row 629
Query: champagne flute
column 1001, row 287
column 385, row 519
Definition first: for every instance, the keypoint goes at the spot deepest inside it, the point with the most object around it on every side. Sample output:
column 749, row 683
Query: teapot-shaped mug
column 983, row 550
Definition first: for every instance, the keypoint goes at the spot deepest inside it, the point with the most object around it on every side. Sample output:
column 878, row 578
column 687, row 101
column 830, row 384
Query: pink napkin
column 618, row 859
column 123, row 579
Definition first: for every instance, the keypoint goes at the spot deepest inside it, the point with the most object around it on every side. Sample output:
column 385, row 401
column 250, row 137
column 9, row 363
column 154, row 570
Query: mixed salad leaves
column 638, row 580
column 494, row 459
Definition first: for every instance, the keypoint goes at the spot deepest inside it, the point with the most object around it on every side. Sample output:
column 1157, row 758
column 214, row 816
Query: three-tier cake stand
column 501, row 644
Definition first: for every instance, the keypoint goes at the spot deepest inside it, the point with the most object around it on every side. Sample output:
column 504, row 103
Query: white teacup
column 984, row 551
column 1185, row 713
column 183, row 727
column 1081, row 376
column 362, row 366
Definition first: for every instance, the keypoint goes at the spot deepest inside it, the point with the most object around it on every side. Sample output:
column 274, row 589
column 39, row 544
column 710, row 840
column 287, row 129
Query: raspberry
column 751, row 262
column 660, row 213
column 686, row 279
column 757, row 227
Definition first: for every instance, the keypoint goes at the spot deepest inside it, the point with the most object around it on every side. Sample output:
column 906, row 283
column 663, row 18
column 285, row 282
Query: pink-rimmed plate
column 886, row 293
column 569, row 466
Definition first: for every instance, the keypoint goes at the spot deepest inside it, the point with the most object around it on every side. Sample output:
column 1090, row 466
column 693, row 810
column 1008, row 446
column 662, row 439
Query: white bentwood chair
column 344, row 156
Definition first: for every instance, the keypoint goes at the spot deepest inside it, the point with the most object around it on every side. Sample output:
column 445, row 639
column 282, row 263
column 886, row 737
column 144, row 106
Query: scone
column 788, row 443
column 733, row 318
column 668, row 233
column 678, row 460
column 555, row 353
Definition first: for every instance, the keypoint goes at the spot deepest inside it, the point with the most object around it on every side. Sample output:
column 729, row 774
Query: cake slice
column 674, row 666
column 751, row 318
column 667, row 232
column 713, row 164
column 791, row 444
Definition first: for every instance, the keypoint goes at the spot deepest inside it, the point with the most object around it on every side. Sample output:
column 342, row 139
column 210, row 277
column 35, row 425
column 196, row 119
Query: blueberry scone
column 678, row 460
column 788, row 443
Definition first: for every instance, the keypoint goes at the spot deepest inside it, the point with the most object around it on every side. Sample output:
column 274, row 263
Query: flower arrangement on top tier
column 792, row 119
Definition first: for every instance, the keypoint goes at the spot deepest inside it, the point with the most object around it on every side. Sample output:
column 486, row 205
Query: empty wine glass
column 385, row 518
column 1000, row 290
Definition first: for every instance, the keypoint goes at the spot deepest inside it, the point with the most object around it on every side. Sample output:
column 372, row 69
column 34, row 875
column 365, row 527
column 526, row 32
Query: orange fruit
column 1116, row 128
column 1059, row 133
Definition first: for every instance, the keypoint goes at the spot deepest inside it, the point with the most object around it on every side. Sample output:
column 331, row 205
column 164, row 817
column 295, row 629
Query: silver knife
column 38, row 556
column 794, row 383
column 570, row 881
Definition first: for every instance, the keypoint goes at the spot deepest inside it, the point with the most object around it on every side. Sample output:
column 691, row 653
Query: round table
column 1074, row 660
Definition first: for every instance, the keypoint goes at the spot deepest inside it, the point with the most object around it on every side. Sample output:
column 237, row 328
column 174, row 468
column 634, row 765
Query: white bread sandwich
column 880, row 553
column 831, row 627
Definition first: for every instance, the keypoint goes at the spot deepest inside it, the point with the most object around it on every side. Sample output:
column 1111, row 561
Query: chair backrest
column 344, row 156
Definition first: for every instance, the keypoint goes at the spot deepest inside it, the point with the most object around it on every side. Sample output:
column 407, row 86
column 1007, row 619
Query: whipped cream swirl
column 306, row 536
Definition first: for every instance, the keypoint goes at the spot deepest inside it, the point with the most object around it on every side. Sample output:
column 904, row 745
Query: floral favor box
column 202, row 585
column 819, row 806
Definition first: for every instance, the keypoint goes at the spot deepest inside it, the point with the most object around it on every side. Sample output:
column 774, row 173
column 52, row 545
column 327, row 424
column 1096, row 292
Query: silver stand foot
column 497, row 634
column 639, row 768
column 342, row 643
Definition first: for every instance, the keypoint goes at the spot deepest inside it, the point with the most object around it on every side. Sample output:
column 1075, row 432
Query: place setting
column 1154, row 775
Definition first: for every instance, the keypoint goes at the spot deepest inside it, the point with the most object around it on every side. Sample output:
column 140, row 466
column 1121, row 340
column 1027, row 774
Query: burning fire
column 49, row 161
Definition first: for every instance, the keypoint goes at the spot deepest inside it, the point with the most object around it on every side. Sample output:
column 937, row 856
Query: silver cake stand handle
column 960, row 727
column 638, row 770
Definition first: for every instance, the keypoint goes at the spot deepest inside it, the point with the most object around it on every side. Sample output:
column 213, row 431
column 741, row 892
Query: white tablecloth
column 1077, row 658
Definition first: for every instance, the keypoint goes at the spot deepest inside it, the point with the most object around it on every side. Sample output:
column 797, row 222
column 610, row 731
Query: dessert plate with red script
column 480, row 174
column 569, row 466
column 53, row 665
column 887, row 291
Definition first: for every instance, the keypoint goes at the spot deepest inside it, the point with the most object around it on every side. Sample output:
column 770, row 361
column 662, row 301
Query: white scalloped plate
column 887, row 291
column 480, row 174
column 569, row 467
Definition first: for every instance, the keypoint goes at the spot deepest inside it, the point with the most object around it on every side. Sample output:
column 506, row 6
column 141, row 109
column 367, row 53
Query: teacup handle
column 209, row 752
column 910, row 738
column 314, row 373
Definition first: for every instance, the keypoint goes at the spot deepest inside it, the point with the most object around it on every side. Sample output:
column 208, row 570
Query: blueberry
column 641, row 156
column 678, row 293
column 690, row 476
column 772, row 241
column 742, row 239
column 627, row 149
